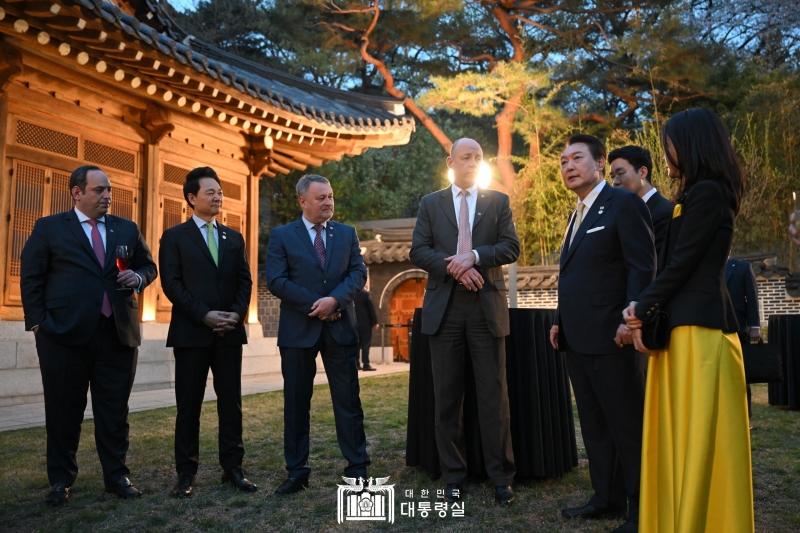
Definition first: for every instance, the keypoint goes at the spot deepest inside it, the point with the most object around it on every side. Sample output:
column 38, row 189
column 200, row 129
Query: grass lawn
column 216, row 507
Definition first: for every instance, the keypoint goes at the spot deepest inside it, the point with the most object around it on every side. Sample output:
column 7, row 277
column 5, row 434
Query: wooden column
column 150, row 218
column 251, row 237
column 5, row 191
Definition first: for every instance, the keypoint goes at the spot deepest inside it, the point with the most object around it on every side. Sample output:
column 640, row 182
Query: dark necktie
column 319, row 245
column 100, row 252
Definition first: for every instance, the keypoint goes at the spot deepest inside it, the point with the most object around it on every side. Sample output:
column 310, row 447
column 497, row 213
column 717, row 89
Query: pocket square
column 598, row 228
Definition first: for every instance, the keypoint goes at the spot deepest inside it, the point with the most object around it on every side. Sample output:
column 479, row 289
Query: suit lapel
column 481, row 205
column 77, row 229
column 111, row 242
column 602, row 200
column 729, row 271
column 446, row 201
column 330, row 247
column 562, row 258
column 304, row 236
column 223, row 241
column 196, row 236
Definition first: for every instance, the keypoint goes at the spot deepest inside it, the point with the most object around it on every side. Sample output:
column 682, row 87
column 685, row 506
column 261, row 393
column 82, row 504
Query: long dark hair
column 704, row 152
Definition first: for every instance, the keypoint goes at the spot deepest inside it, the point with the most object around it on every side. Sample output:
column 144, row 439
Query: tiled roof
column 324, row 105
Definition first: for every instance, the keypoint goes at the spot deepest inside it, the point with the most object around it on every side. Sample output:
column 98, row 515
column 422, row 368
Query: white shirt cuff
column 477, row 257
column 138, row 289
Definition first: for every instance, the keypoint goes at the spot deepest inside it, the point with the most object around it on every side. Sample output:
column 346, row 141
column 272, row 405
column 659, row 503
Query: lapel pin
column 111, row 230
column 483, row 196
column 223, row 236
column 479, row 214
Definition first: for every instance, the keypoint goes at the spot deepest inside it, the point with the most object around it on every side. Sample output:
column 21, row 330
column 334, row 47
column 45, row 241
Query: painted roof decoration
column 137, row 42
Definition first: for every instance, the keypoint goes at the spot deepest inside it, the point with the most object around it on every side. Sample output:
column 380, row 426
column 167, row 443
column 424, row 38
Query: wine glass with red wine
column 123, row 258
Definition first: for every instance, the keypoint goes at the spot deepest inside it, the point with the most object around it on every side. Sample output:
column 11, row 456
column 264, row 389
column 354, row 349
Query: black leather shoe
column 368, row 368
column 503, row 495
column 589, row 511
column 292, row 484
column 235, row 476
column 123, row 488
column 183, row 488
column 358, row 367
column 627, row 527
column 58, row 495
column 452, row 493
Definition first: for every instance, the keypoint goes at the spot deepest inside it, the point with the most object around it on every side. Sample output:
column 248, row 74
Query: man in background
column 743, row 288
column 367, row 321
column 84, row 315
column 632, row 168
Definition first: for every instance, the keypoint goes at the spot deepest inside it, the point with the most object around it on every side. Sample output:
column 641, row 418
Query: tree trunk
column 505, row 121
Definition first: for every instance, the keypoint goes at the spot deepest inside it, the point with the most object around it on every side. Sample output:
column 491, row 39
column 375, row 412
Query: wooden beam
column 158, row 122
column 10, row 65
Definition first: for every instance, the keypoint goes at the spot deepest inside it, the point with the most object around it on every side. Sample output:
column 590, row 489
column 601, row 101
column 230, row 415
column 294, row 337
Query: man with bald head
column 463, row 237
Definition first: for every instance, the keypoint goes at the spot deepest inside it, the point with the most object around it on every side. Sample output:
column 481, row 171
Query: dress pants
column 191, row 373
column 464, row 329
column 364, row 342
column 108, row 367
column 299, row 366
column 609, row 393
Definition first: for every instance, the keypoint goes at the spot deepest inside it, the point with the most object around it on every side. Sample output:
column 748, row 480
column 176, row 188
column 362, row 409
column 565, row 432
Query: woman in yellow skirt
column 696, row 468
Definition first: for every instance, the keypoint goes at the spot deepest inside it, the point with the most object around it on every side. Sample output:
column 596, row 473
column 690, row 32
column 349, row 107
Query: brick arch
column 399, row 279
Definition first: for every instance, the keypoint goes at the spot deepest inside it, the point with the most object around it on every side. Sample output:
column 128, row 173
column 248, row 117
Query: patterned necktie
column 100, row 252
column 319, row 246
column 578, row 220
column 464, row 230
column 212, row 243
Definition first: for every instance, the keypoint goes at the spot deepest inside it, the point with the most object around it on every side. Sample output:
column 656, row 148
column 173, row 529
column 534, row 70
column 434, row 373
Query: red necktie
column 319, row 245
column 100, row 252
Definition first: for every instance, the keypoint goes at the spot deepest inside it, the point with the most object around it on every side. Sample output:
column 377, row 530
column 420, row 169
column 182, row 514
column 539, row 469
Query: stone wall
column 773, row 298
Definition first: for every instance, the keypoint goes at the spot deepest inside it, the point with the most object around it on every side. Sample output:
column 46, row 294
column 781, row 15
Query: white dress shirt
column 649, row 194
column 87, row 228
column 204, row 229
column 591, row 197
column 312, row 233
column 472, row 202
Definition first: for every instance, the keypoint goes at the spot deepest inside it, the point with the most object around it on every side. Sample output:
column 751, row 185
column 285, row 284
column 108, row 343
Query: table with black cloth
column 784, row 330
column 542, row 425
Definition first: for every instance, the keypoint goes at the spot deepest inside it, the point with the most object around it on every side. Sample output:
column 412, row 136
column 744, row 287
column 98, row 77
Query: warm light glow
column 484, row 175
column 252, row 317
column 149, row 313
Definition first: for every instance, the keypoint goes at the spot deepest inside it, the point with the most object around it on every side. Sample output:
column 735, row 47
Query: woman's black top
column 690, row 285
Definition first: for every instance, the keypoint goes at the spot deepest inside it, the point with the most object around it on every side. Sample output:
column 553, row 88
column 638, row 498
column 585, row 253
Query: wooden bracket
column 158, row 122
column 10, row 65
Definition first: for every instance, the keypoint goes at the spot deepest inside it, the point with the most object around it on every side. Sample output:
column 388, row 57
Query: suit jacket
column 691, row 282
column 195, row 285
column 493, row 237
column 295, row 275
column 661, row 213
column 611, row 260
column 365, row 310
column 743, row 290
column 62, row 282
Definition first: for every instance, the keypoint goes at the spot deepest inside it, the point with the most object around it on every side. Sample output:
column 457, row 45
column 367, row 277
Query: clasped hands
column 325, row 309
column 461, row 267
column 128, row 278
column 628, row 333
column 221, row 322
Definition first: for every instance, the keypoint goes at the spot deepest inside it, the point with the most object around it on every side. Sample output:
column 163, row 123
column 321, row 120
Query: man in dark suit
column 743, row 288
column 315, row 267
column 367, row 320
column 632, row 168
column 85, row 316
column 462, row 238
column 607, row 258
column 205, row 274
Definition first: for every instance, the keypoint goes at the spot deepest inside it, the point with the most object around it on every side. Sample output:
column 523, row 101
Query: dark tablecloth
column 784, row 330
column 542, row 425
